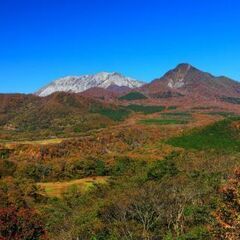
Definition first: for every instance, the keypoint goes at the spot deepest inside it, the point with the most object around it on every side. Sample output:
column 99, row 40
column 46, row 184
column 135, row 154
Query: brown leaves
column 20, row 224
column 227, row 215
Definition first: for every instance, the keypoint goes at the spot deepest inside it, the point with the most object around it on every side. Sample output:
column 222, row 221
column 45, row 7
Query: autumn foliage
column 227, row 216
column 20, row 224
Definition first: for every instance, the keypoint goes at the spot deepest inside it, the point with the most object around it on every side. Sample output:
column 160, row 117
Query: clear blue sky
column 41, row 40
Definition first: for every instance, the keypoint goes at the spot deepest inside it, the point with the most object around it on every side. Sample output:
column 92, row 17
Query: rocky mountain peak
column 177, row 77
column 78, row 84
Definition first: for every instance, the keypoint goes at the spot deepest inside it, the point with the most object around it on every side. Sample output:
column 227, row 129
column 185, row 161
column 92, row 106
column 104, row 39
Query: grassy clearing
column 169, row 118
column 55, row 189
column 162, row 121
column 172, row 108
column 203, row 108
column 177, row 114
column 145, row 109
column 220, row 136
column 223, row 114
column 133, row 96
column 123, row 112
column 33, row 142
column 118, row 114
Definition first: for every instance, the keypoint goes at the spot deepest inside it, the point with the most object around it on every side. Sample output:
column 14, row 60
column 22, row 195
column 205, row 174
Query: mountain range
column 77, row 84
column 74, row 104
column 181, row 82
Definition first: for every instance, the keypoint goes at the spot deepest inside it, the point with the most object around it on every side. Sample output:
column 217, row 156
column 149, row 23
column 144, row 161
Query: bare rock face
column 78, row 84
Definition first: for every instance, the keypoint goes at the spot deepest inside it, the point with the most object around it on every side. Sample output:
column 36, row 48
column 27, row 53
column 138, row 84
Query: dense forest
column 152, row 173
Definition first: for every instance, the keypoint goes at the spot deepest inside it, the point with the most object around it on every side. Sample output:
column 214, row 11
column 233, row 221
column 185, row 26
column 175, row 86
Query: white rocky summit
column 78, row 84
column 179, row 76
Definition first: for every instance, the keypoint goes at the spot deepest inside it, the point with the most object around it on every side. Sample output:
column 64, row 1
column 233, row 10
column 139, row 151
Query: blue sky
column 41, row 40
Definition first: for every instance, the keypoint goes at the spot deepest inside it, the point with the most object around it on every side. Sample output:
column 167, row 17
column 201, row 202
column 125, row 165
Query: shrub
column 163, row 121
column 133, row 96
column 117, row 114
column 37, row 172
column 122, row 164
column 145, row 109
column 166, row 167
column 20, row 224
column 7, row 168
column 197, row 233
column 100, row 168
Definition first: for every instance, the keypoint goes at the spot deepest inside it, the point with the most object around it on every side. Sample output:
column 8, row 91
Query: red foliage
column 20, row 224
column 227, row 215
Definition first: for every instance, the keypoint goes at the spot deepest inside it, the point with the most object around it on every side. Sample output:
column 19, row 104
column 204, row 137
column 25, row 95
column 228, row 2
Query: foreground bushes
column 20, row 224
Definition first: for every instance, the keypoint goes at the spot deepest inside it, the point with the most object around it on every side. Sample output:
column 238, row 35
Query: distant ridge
column 186, row 80
column 182, row 85
column 77, row 84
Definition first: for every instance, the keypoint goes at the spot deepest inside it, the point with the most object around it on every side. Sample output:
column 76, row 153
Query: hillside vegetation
column 221, row 136
column 133, row 96
column 110, row 172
